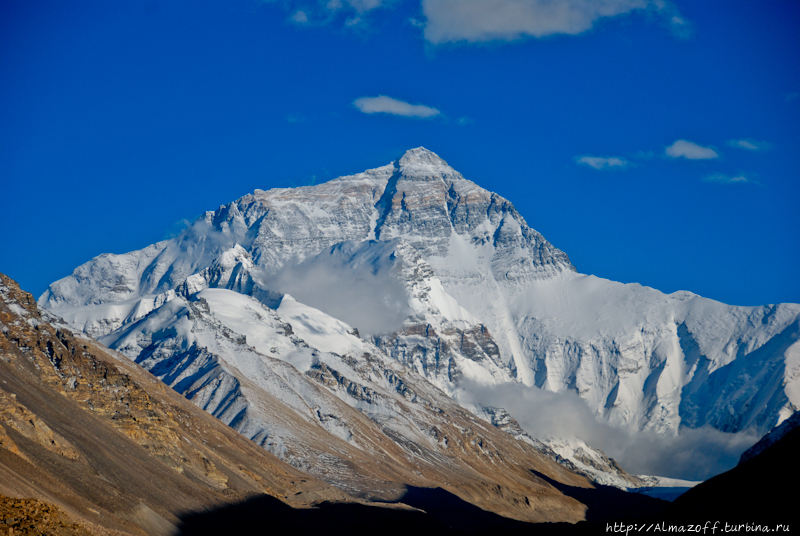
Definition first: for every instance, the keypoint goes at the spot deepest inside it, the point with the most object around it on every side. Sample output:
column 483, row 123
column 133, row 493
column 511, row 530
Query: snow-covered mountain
column 302, row 385
column 447, row 279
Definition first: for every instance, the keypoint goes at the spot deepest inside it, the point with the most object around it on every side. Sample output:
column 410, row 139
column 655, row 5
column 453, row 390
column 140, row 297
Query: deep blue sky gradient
column 118, row 120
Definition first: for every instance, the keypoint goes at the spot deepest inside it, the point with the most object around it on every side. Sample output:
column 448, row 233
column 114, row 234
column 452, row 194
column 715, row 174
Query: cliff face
column 107, row 442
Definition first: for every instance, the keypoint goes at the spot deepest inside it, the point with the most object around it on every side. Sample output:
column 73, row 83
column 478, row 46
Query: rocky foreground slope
column 109, row 444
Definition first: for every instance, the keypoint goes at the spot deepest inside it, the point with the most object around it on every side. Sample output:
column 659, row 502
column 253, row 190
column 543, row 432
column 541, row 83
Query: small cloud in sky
column 690, row 150
column 644, row 155
column 366, row 5
column 680, row 28
column 388, row 105
column 506, row 20
column 679, row 25
column 464, row 121
column 721, row 178
column 602, row 162
column 792, row 96
column 295, row 118
column 750, row 145
column 327, row 12
column 300, row 17
column 360, row 6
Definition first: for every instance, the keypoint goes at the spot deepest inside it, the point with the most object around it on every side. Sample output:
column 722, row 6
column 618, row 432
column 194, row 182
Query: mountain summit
column 422, row 164
column 418, row 198
column 487, row 301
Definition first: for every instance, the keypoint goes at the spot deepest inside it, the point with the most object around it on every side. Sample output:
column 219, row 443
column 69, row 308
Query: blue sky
column 655, row 142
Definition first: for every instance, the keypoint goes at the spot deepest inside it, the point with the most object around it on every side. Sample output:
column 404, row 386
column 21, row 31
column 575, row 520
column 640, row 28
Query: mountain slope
column 303, row 386
column 112, row 446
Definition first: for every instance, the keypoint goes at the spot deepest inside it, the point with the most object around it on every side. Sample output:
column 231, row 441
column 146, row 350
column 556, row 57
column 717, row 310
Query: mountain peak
column 420, row 163
column 421, row 155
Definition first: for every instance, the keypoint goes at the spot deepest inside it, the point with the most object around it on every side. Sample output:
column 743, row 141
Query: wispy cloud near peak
column 388, row 105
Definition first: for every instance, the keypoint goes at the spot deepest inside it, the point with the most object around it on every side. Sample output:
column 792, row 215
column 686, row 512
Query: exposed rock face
column 18, row 418
column 30, row 516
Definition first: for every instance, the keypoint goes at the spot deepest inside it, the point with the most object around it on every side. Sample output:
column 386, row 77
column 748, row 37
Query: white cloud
column 388, row 105
column 363, row 6
column 690, row 150
column 694, row 454
column 750, row 145
column 360, row 6
column 506, row 20
column 361, row 290
column 727, row 179
column 677, row 23
column 602, row 162
column 464, row 121
column 791, row 96
column 326, row 12
column 300, row 17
